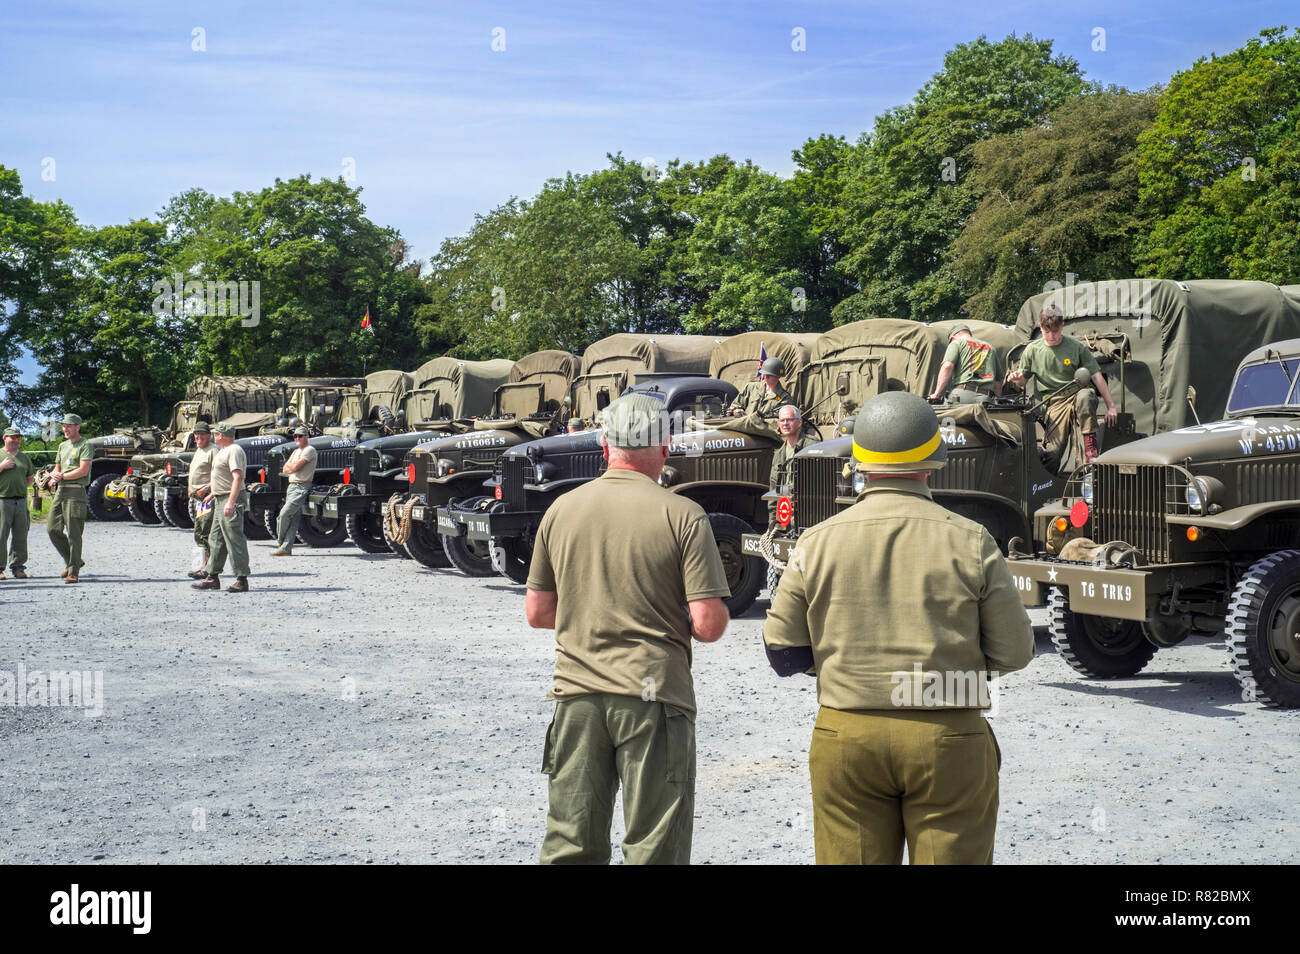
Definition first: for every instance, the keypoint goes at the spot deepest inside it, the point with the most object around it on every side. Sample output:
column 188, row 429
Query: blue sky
column 441, row 126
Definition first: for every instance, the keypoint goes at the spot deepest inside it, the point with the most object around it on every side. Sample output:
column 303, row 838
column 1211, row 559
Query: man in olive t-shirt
column 230, row 504
column 974, row 367
column 16, row 475
column 71, row 477
column 301, row 468
column 626, row 573
column 199, row 487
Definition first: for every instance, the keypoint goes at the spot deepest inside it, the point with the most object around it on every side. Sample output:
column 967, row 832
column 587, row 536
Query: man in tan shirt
column 230, row 504
column 626, row 574
column 301, row 468
column 905, row 611
column 200, row 477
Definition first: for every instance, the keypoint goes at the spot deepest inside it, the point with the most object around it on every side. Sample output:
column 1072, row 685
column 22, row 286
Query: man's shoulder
column 913, row 507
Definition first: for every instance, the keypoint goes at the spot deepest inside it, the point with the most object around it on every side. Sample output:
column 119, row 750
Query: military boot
column 207, row 583
column 239, row 586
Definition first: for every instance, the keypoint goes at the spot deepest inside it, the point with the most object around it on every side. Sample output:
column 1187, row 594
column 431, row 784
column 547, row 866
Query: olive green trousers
column 594, row 743
column 227, row 537
column 927, row 778
column 15, row 520
column 203, row 527
column 67, row 522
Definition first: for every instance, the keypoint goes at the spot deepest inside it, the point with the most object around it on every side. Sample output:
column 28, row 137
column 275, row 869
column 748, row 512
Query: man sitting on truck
column 765, row 396
column 1052, row 361
column 976, row 364
column 789, row 422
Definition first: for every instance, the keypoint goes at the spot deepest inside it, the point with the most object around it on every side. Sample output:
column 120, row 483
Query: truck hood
column 1215, row 440
column 561, row 444
column 712, row 440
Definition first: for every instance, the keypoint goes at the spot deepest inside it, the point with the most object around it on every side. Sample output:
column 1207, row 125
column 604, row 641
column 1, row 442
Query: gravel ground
column 359, row 708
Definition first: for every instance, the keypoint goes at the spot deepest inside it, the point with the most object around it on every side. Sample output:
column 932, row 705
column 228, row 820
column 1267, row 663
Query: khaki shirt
column 755, row 398
column 305, row 475
column 895, row 588
column 201, row 465
column 227, row 461
column 781, row 473
column 13, row 482
column 976, row 364
column 1053, row 368
column 624, row 557
column 69, row 457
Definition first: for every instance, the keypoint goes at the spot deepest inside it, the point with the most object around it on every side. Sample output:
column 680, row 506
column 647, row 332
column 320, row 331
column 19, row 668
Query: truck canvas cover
column 224, row 395
column 538, row 382
column 1179, row 334
column 880, row 354
column 735, row 360
column 611, row 364
column 386, row 388
column 451, row 388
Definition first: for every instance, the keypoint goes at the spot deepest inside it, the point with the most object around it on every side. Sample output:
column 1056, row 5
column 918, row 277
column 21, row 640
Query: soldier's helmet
column 773, row 366
column 897, row 432
column 958, row 329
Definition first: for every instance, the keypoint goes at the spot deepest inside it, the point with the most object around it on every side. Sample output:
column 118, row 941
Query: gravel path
column 361, row 708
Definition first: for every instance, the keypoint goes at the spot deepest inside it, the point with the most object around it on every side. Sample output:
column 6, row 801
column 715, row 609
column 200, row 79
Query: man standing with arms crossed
column 905, row 610
column 16, row 475
column 200, row 477
column 229, row 504
column 71, row 477
column 626, row 574
column 301, row 468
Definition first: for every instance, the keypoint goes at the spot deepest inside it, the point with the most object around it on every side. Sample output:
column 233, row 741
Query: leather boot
column 239, row 586
column 207, row 583
column 1090, row 449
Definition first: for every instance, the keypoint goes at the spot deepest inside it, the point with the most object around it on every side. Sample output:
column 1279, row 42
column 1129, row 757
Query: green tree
column 1057, row 198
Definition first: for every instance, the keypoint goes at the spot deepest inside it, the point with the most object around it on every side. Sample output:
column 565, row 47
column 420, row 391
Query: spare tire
column 384, row 416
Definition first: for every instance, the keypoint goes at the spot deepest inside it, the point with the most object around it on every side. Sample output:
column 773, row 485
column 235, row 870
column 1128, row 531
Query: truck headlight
column 1085, row 489
column 1204, row 494
column 445, row 467
column 859, row 482
column 1195, row 497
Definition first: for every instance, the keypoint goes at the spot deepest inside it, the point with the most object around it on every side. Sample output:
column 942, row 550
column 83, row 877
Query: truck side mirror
column 842, row 384
column 1191, row 401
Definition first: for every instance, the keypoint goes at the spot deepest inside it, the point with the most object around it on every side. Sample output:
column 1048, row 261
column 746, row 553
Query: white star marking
column 1051, row 575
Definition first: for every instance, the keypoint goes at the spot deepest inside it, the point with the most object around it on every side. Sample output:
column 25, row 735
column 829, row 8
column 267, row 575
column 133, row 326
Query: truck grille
column 1131, row 507
column 815, row 479
column 334, row 458
column 513, row 471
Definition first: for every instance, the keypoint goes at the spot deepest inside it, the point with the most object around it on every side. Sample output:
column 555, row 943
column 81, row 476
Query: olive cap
column 223, row 428
column 575, row 422
column 301, row 432
column 897, row 432
column 773, row 366
column 635, row 421
column 202, row 427
column 13, row 432
column 71, row 419
column 958, row 329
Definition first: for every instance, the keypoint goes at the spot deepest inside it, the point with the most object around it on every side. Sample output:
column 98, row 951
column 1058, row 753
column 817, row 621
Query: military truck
column 535, row 402
column 363, row 415
column 447, row 392
column 209, row 398
column 1196, row 530
column 527, row 478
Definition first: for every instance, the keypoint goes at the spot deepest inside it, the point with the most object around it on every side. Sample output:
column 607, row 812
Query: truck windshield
column 1266, row 385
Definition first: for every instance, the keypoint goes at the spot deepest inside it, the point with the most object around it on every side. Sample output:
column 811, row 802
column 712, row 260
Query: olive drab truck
column 448, row 392
column 1196, row 529
column 449, row 471
column 528, row 477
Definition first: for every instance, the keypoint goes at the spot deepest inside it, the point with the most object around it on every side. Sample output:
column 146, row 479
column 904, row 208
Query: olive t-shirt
column 13, row 481
column 1053, row 368
column 70, row 456
column 228, row 460
column 624, row 557
column 307, row 472
column 201, row 466
column 975, row 363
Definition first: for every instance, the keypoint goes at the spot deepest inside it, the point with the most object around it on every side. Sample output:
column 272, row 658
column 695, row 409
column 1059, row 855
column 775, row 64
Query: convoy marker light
column 1062, row 524
column 261, row 475
column 1079, row 513
column 410, row 473
column 497, row 493
column 347, row 475
column 129, row 471
column 169, row 468
column 1193, row 534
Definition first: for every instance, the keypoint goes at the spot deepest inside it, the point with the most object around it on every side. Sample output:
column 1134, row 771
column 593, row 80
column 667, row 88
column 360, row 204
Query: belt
column 974, row 388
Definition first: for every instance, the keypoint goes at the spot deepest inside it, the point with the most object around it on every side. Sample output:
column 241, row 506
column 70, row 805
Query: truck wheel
column 1263, row 630
column 159, row 512
column 270, row 520
column 1097, row 646
column 392, row 544
column 425, row 546
column 178, row 512
column 745, row 574
column 512, row 557
column 773, row 580
column 317, row 531
column 142, row 512
column 101, row 507
column 472, row 559
column 253, row 528
column 366, row 530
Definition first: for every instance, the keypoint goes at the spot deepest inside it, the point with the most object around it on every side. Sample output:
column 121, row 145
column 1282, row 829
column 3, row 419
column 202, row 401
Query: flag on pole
column 762, row 355
column 365, row 323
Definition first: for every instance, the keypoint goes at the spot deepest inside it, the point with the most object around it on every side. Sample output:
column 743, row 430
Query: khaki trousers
column 15, row 521
column 67, row 522
column 927, row 778
column 594, row 743
column 295, row 499
column 227, row 537
column 1064, row 420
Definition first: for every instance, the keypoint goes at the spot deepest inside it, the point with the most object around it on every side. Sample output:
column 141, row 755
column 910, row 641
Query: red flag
column 365, row 323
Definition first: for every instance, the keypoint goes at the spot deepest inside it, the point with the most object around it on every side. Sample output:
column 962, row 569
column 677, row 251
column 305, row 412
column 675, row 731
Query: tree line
column 1009, row 168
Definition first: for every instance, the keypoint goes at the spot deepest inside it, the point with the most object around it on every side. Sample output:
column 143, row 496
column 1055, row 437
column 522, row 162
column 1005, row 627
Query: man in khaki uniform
column 975, row 363
column 16, row 475
column 790, row 423
column 765, row 396
column 904, row 609
column 229, row 504
column 199, row 487
column 1052, row 361
column 626, row 574
column 67, row 519
column 301, row 468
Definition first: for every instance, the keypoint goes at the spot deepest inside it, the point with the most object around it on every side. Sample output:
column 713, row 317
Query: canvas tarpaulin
column 451, row 388
column 538, row 383
column 385, row 388
column 611, row 364
column 879, row 354
column 735, row 360
column 223, row 395
column 1179, row 334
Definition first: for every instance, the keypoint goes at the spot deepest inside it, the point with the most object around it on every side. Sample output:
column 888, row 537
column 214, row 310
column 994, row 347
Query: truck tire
column 1262, row 625
column 470, row 558
column 773, row 581
column 1097, row 646
column 270, row 520
column 745, row 574
column 178, row 512
column 393, row 545
column 142, row 512
column 366, row 530
column 158, row 510
column 101, row 507
column 317, row 531
column 253, row 528
column 425, row 547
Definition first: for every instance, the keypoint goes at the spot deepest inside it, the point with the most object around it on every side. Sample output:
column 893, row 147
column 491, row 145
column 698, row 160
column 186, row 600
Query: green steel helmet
column 635, row 421
column 845, row 428
column 958, row 329
column 773, row 366
column 897, row 432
